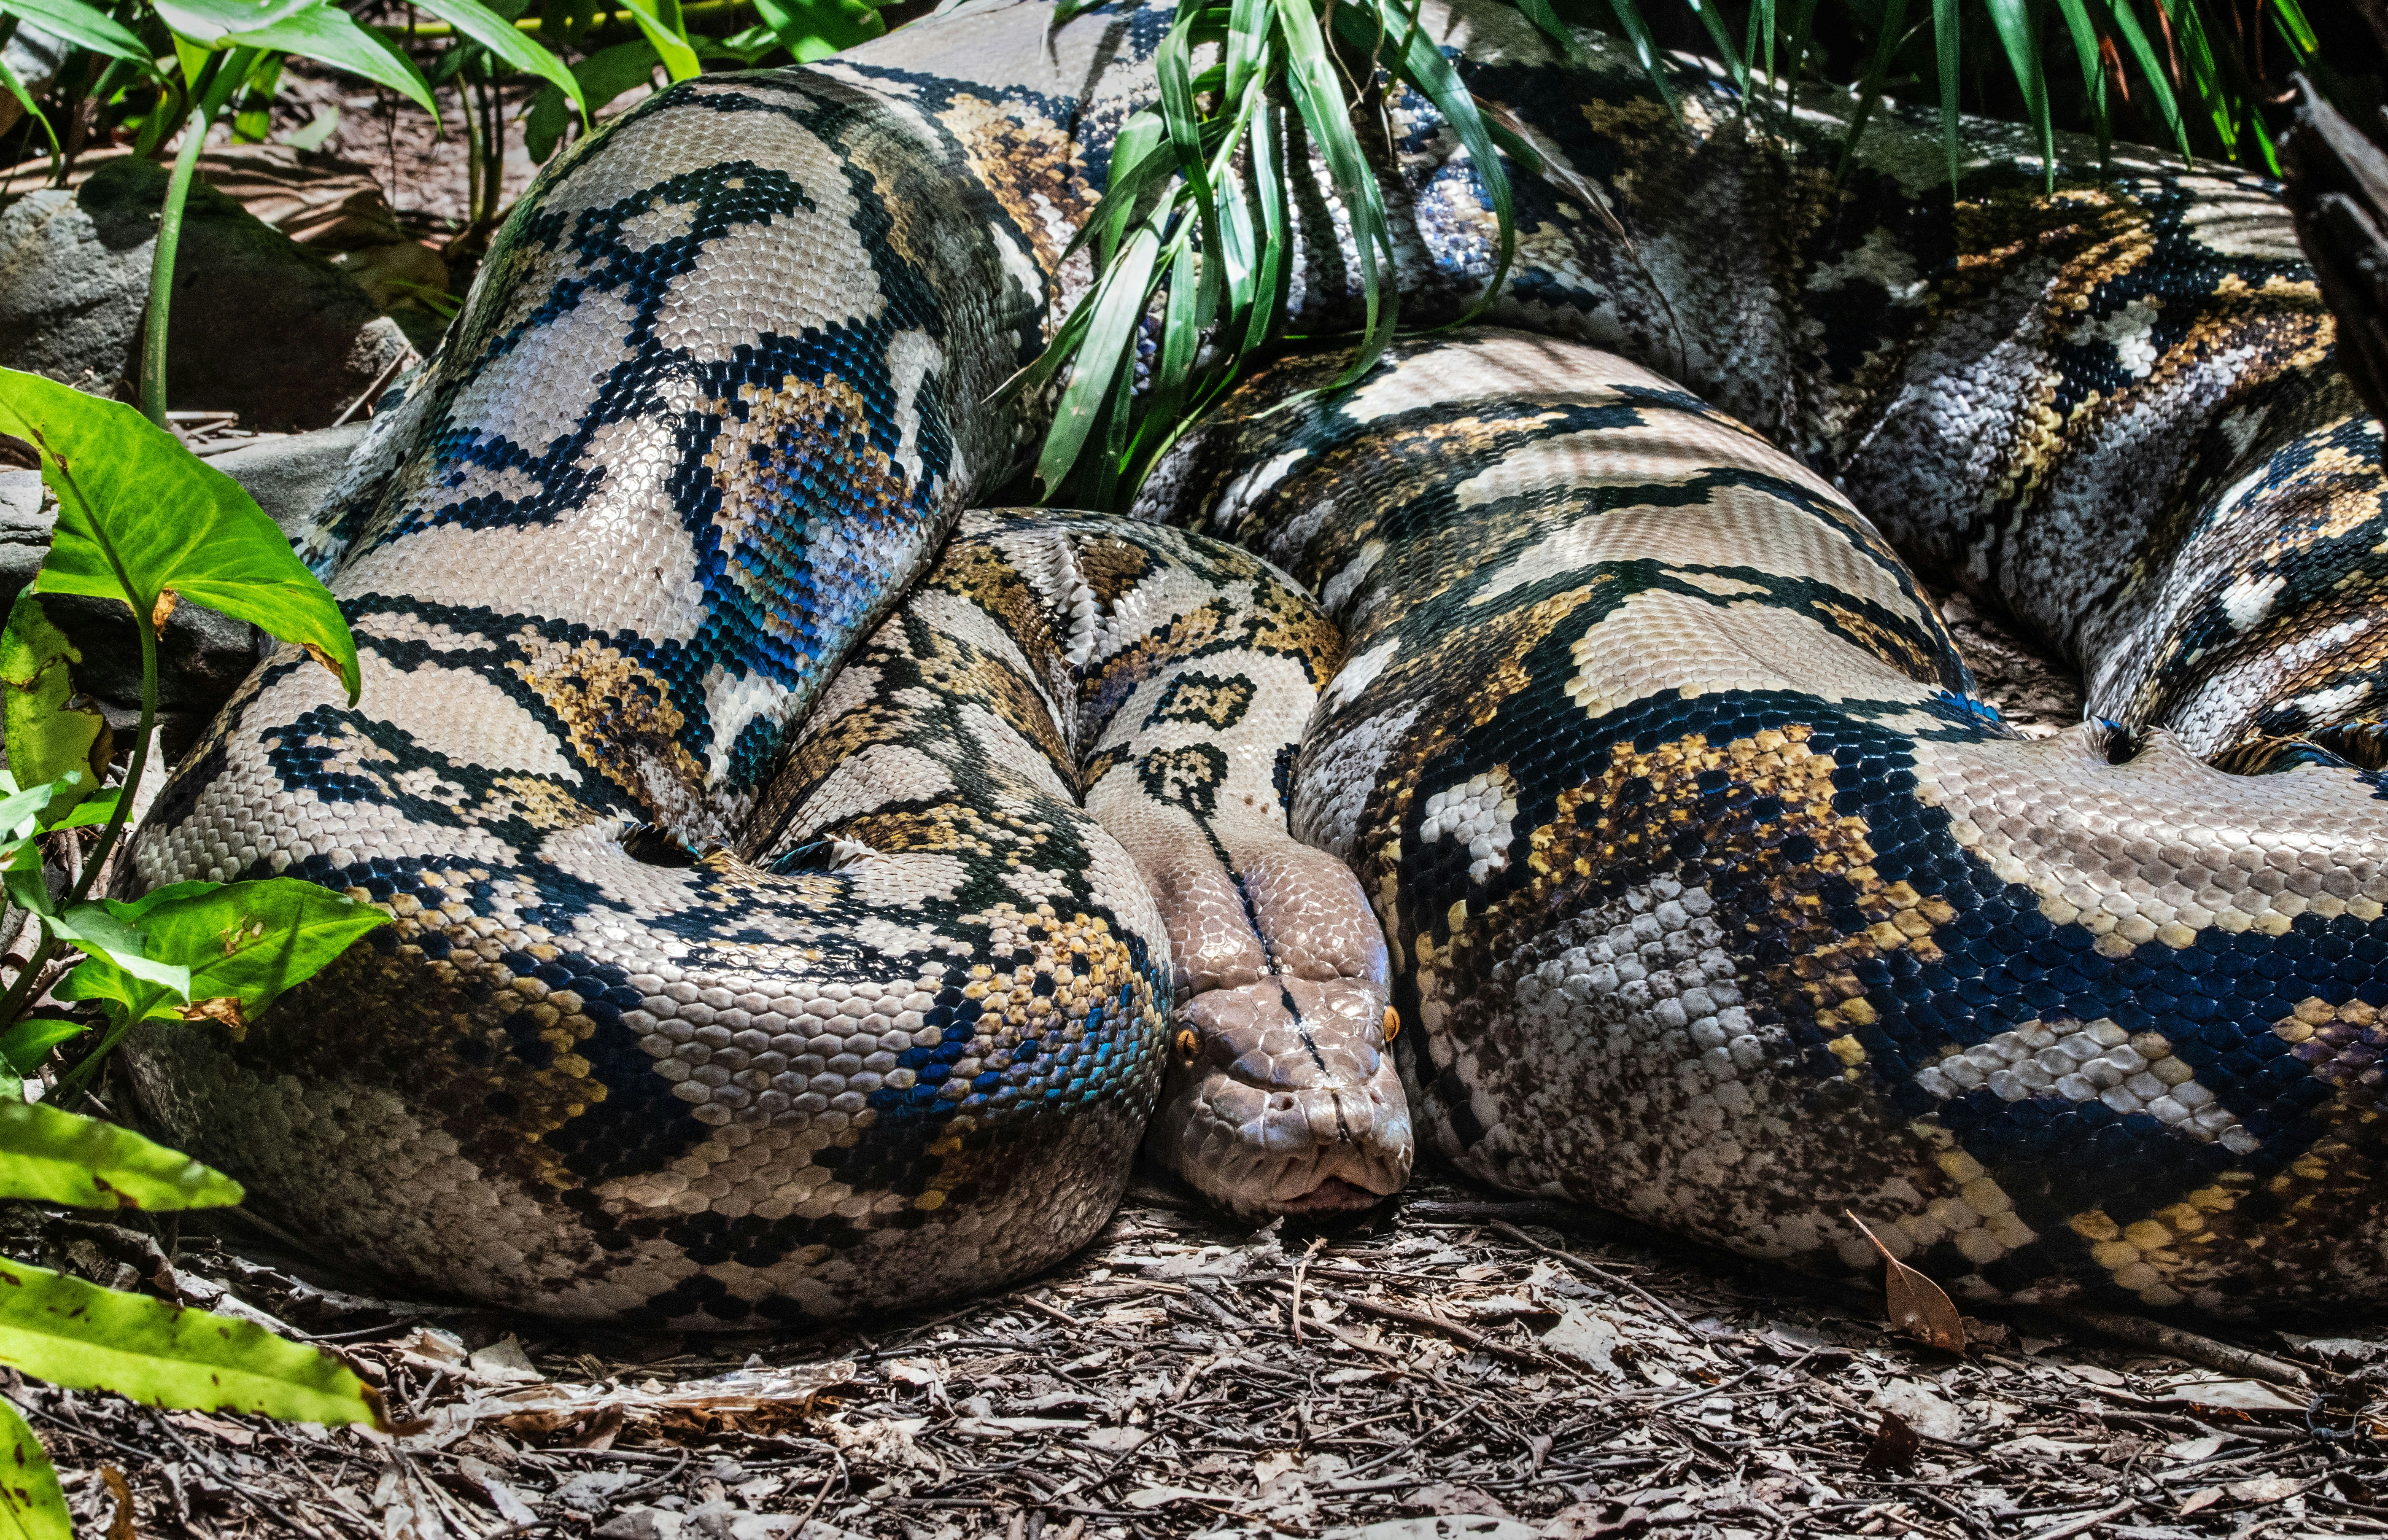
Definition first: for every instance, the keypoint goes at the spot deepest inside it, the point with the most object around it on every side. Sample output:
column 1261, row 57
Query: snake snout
column 1282, row 1099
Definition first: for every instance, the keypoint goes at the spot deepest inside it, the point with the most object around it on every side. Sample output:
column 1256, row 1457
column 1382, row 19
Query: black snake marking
column 732, row 982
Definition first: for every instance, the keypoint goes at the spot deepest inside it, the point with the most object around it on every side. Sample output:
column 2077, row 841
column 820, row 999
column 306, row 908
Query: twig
column 1474, row 1338
column 372, row 390
column 2142, row 1333
column 1593, row 1270
column 2088, row 1520
column 818, row 1497
column 248, row 1493
column 1300, row 1268
column 1064, row 1317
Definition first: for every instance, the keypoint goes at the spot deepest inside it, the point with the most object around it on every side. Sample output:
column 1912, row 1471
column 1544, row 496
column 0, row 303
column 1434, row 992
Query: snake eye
column 1393, row 1024
column 1188, row 1045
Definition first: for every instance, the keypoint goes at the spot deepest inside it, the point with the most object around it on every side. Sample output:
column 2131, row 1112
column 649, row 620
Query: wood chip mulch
column 1465, row 1365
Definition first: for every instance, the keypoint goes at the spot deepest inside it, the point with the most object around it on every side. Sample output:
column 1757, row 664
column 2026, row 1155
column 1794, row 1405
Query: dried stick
column 2140, row 1331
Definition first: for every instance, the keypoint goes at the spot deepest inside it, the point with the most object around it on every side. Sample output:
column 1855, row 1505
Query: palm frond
column 1190, row 238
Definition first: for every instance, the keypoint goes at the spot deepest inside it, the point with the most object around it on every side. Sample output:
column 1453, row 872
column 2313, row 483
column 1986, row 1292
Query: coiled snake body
column 799, row 912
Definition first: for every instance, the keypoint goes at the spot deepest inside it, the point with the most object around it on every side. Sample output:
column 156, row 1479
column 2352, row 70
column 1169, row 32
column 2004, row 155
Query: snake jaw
column 1290, row 1104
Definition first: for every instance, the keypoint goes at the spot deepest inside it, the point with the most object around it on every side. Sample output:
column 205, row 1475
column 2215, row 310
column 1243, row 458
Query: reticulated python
column 793, row 919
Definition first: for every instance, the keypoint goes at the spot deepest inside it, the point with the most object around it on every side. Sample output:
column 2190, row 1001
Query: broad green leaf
column 92, row 811
column 484, row 26
column 107, row 941
column 224, row 953
column 680, row 59
column 20, row 805
column 54, row 1156
column 113, row 470
column 25, row 1045
column 815, row 29
column 331, row 36
column 32, row 1505
column 48, row 741
column 604, row 75
column 246, row 943
column 74, row 1333
column 87, row 25
column 208, row 22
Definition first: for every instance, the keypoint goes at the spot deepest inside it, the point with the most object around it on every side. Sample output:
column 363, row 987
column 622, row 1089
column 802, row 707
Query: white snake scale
column 789, row 924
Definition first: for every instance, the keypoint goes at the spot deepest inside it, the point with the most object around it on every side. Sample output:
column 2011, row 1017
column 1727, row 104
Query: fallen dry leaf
column 2203, row 1497
column 120, row 1524
column 1917, row 1305
column 1895, row 1446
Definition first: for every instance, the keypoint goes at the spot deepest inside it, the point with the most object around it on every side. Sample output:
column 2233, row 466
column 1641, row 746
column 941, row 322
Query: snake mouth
column 1332, row 1199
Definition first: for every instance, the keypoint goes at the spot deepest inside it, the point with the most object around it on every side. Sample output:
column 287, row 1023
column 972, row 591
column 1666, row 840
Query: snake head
column 1283, row 1099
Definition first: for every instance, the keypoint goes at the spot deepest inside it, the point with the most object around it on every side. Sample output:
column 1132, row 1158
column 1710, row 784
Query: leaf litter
column 1470, row 1365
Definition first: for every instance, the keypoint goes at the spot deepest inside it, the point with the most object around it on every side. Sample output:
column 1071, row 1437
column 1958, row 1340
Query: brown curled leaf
column 1918, row 1307
column 224, row 1010
column 164, row 610
column 1894, row 1446
column 120, row 1526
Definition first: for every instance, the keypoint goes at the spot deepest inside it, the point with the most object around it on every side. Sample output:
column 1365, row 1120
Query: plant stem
column 141, row 736
column 161, row 281
column 12, row 1004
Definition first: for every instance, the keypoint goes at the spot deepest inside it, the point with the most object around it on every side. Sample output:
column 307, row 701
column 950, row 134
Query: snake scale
column 808, row 893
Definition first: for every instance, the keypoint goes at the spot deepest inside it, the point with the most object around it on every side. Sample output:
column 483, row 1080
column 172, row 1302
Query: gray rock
column 289, row 475
column 260, row 324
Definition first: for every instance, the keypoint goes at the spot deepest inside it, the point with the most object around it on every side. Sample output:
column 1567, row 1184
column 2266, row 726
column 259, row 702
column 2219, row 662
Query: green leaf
column 680, row 59
column 1115, row 311
column 1734, row 66
column 815, row 29
column 2143, row 52
column 25, row 1045
column 2019, row 34
column 110, row 942
column 48, row 741
column 76, row 22
column 92, row 811
column 501, row 37
column 311, row 136
column 1947, row 29
column 74, row 1333
column 249, row 941
column 32, row 1505
column 1886, row 46
column 8, row 78
column 2084, row 32
column 208, row 22
column 1645, row 52
column 332, row 36
column 113, row 470
column 1422, row 64
column 54, row 1156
